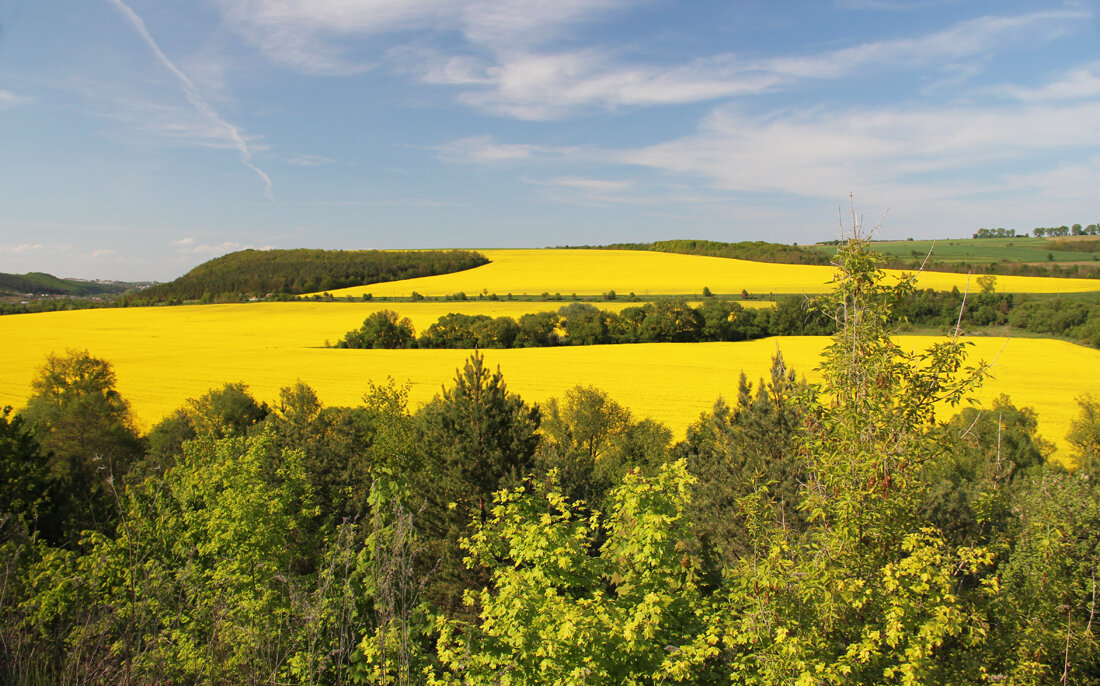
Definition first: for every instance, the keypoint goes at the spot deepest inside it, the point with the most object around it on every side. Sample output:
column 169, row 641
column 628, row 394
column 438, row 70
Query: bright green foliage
column 196, row 585
column 560, row 612
column 1043, row 620
column 1084, row 435
column 584, row 324
column 537, row 329
column 344, row 447
column 671, row 321
column 227, row 411
column 225, row 521
column 381, row 330
column 592, row 441
column 218, row 413
column 457, row 330
column 989, row 452
column 393, row 649
column 866, row 593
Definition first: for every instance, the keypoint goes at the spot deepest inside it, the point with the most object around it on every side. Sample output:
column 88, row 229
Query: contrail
column 193, row 95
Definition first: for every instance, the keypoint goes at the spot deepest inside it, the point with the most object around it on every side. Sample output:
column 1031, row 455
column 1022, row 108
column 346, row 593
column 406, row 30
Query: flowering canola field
column 592, row 272
column 162, row 356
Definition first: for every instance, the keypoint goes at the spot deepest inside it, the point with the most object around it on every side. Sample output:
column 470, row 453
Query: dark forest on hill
column 257, row 273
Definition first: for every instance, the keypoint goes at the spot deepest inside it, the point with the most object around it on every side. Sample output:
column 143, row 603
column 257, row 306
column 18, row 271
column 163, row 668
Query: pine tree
column 476, row 438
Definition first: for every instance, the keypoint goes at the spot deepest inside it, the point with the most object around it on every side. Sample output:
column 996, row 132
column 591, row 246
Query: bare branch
column 927, row 257
column 962, row 307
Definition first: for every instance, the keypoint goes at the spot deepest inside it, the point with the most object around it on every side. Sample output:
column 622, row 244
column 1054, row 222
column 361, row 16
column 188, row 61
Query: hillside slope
column 290, row 272
column 39, row 283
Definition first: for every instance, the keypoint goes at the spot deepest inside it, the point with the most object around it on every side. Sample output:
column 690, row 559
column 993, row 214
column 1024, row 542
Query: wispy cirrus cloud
column 145, row 118
column 966, row 39
column 318, row 36
column 228, row 132
column 502, row 63
column 487, row 150
column 1079, row 83
column 551, row 85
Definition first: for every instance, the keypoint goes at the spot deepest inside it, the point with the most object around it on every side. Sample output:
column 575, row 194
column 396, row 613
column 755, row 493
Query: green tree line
column 257, row 273
column 584, row 324
column 727, row 320
column 1075, row 230
column 849, row 531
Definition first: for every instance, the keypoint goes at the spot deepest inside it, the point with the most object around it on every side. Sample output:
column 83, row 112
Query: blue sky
column 142, row 137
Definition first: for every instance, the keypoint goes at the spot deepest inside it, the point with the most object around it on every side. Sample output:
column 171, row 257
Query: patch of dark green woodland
column 1076, row 318
column 844, row 531
column 1073, row 317
column 669, row 321
column 756, row 251
column 285, row 273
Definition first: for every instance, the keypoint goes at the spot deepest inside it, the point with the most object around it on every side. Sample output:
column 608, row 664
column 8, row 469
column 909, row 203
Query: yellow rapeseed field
column 163, row 356
column 592, row 272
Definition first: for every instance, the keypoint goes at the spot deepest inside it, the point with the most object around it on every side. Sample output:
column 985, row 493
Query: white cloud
column 1076, row 84
column 219, row 249
column 99, row 254
column 542, row 86
column 485, row 149
column 549, row 86
column 824, row 153
column 308, row 35
column 184, row 242
column 966, row 39
column 501, row 69
column 1070, row 182
column 9, row 99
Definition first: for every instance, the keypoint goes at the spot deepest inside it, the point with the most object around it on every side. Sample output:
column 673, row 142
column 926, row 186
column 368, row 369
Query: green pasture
column 978, row 250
